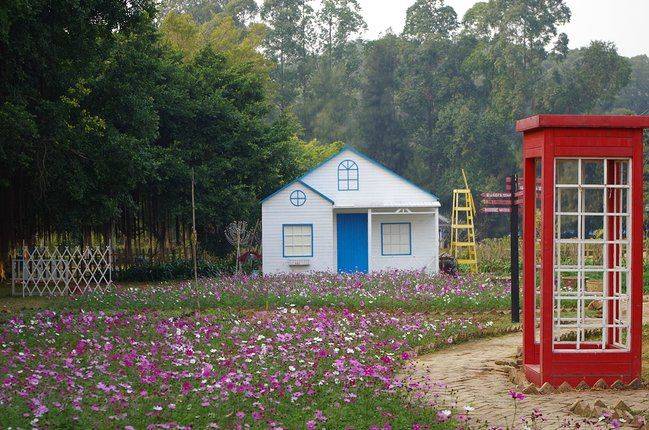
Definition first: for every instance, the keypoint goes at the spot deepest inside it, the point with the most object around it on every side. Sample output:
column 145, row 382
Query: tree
column 289, row 41
column 635, row 96
column 588, row 80
column 181, row 33
column 50, row 141
column 380, row 127
column 514, row 35
column 430, row 19
column 221, row 33
column 339, row 21
column 203, row 11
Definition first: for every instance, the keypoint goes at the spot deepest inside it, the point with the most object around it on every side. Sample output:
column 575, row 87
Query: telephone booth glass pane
column 591, row 254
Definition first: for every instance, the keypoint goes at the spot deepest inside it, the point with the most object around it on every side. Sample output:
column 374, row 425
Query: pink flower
column 40, row 410
column 516, row 395
column 320, row 416
column 310, row 425
column 443, row 416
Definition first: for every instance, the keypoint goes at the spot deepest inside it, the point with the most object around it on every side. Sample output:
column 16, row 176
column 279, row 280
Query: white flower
column 469, row 408
column 157, row 408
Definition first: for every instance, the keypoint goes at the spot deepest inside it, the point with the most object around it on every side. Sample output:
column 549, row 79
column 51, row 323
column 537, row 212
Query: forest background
column 106, row 106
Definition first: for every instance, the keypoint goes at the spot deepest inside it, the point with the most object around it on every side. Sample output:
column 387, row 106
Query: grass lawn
column 278, row 352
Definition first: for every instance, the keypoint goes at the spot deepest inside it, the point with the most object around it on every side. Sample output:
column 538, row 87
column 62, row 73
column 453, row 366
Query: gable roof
column 360, row 154
column 299, row 181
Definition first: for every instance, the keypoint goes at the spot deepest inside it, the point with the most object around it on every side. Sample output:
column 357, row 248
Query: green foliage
column 102, row 127
column 314, row 152
column 635, row 96
column 152, row 271
column 494, row 256
column 430, row 19
column 204, row 10
column 588, row 80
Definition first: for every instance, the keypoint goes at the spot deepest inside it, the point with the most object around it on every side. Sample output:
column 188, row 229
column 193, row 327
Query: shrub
column 150, row 271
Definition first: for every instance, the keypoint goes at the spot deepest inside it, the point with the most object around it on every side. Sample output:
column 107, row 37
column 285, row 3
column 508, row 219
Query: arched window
column 348, row 176
column 298, row 198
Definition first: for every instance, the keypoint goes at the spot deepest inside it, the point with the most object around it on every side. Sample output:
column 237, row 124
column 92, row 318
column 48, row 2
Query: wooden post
column 369, row 240
column 194, row 236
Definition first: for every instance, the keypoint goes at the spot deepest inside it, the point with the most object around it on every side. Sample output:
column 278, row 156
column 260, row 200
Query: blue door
column 352, row 243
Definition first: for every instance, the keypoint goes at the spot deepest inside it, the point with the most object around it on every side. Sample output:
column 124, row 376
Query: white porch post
column 435, row 267
column 369, row 240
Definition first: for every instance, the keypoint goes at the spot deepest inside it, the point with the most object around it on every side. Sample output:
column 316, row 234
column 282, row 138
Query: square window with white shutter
column 396, row 238
column 297, row 240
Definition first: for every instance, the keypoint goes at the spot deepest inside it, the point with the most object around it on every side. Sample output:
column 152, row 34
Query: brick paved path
column 469, row 370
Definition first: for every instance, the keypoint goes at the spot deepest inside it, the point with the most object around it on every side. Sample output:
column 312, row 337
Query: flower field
column 330, row 359
column 416, row 291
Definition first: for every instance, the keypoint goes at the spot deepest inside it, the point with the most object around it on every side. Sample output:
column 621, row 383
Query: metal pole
column 513, row 225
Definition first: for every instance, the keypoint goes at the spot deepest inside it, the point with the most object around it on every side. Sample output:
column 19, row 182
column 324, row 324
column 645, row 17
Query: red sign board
column 496, row 210
column 497, row 202
column 495, row 195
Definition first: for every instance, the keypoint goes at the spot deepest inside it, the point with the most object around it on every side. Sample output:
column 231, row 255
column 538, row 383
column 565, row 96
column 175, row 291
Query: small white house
column 350, row 214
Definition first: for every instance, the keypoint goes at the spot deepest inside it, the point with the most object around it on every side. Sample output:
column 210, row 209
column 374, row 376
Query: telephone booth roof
column 582, row 121
column 582, row 253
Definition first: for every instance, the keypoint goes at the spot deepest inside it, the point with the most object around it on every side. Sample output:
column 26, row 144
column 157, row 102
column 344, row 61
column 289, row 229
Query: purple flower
column 443, row 416
column 516, row 395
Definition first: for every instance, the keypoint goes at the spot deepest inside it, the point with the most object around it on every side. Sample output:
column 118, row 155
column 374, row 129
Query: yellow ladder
column 463, row 246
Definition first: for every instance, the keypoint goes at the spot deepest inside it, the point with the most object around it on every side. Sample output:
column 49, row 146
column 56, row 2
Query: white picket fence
column 42, row 271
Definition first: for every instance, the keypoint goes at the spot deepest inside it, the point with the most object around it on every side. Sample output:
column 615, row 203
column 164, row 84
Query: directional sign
column 497, row 202
column 496, row 210
column 496, row 195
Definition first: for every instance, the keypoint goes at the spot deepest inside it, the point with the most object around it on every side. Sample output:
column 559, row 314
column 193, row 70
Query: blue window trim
column 298, row 198
column 284, row 248
column 409, row 236
column 353, row 167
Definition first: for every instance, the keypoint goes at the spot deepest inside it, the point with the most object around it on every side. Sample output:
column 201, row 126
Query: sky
column 624, row 22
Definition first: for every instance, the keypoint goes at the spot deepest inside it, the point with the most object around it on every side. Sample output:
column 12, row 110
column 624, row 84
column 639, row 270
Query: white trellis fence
column 42, row 271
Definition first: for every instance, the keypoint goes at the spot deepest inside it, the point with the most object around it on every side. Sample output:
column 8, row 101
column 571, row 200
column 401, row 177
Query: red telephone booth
column 582, row 257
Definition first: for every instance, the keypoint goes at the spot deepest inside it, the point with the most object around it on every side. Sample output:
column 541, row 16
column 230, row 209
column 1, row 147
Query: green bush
column 150, row 271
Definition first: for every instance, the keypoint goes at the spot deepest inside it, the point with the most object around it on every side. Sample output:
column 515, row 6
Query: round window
column 298, row 198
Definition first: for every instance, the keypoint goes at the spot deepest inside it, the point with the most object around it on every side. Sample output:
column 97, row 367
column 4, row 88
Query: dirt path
column 470, row 372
